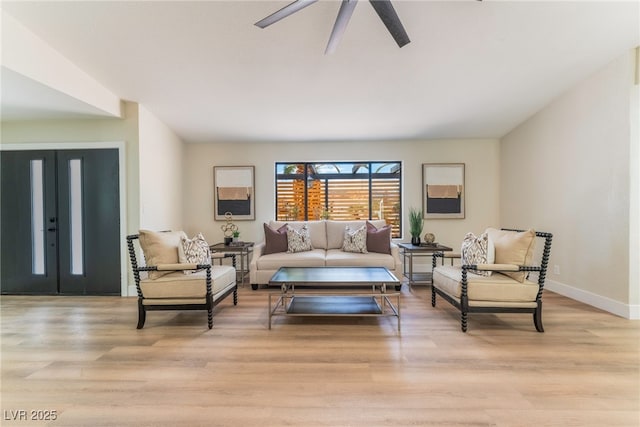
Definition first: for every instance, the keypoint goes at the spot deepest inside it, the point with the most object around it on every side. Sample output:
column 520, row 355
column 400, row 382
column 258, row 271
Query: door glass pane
column 37, row 217
column 75, row 217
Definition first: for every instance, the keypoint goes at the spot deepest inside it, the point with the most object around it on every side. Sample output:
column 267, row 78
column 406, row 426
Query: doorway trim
column 122, row 182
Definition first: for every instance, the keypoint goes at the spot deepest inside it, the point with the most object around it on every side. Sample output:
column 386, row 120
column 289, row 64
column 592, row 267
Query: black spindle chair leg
column 142, row 314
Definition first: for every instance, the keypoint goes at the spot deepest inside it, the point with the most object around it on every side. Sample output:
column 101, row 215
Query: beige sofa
column 327, row 237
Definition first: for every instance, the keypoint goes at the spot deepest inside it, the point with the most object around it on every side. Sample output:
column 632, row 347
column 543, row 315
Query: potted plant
column 236, row 234
column 415, row 225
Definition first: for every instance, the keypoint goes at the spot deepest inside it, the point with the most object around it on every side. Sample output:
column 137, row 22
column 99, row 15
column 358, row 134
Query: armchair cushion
column 497, row 288
column 160, row 248
column 175, row 285
column 513, row 247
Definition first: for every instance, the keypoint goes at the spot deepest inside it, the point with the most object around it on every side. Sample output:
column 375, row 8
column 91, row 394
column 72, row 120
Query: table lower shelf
column 335, row 305
column 419, row 278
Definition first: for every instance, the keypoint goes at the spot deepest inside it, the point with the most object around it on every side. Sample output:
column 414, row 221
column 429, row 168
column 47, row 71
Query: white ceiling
column 472, row 70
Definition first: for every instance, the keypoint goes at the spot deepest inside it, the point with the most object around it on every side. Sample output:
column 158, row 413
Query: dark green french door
column 60, row 222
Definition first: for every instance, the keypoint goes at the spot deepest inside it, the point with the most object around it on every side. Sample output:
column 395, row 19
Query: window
column 75, row 217
column 340, row 191
column 37, row 217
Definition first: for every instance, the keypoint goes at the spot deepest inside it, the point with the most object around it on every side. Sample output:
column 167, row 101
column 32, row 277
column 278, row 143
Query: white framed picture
column 443, row 190
column 234, row 192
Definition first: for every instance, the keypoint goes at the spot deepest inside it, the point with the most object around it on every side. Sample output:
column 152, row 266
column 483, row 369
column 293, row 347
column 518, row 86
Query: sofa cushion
column 160, row 248
column 513, row 247
column 355, row 240
column 176, row 285
column 335, row 230
column 378, row 239
column 193, row 251
column 477, row 250
column 313, row 258
column 275, row 240
column 298, row 240
column 317, row 230
column 339, row 258
column 498, row 287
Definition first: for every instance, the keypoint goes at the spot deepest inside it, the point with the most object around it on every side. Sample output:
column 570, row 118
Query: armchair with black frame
column 164, row 283
column 501, row 285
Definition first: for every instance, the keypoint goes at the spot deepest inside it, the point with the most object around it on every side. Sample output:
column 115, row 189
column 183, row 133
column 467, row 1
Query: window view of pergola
column 340, row 191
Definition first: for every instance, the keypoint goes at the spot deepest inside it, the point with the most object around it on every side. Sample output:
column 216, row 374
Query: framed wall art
column 443, row 190
column 234, row 192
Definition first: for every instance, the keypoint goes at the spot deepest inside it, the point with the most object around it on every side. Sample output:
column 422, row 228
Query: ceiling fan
column 383, row 8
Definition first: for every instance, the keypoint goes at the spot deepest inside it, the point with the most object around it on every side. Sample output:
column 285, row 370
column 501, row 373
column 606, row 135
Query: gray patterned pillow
column 355, row 240
column 298, row 240
column 194, row 251
column 477, row 250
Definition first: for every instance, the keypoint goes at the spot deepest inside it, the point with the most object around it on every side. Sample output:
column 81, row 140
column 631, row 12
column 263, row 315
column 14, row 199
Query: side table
column 241, row 249
column 409, row 251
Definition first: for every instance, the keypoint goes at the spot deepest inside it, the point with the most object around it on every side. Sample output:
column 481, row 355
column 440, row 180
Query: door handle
column 51, row 229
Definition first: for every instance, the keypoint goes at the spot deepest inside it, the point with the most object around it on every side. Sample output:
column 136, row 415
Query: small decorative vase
column 227, row 241
column 415, row 240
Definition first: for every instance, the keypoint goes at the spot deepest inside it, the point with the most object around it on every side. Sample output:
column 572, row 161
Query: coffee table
column 334, row 291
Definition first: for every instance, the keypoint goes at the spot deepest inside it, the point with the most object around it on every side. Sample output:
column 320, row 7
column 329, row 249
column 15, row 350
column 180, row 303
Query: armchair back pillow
column 513, row 247
column 160, row 248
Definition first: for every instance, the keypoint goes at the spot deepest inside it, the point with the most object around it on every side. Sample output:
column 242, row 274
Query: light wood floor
column 83, row 358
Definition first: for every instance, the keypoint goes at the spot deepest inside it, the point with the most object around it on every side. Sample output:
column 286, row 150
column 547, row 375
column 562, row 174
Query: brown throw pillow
column 275, row 240
column 378, row 239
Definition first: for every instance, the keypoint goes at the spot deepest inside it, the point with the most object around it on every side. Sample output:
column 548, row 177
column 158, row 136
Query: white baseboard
column 607, row 304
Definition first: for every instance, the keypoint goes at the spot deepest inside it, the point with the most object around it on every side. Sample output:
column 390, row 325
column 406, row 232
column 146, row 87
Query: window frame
column 369, row 176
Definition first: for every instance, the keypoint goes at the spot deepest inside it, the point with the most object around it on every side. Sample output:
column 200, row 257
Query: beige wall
column 567, row 171
column 161, row 175
column 480, row 156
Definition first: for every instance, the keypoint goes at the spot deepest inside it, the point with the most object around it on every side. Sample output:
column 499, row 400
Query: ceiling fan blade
column 284, row 12
column 344, row 14
column 389, row 17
